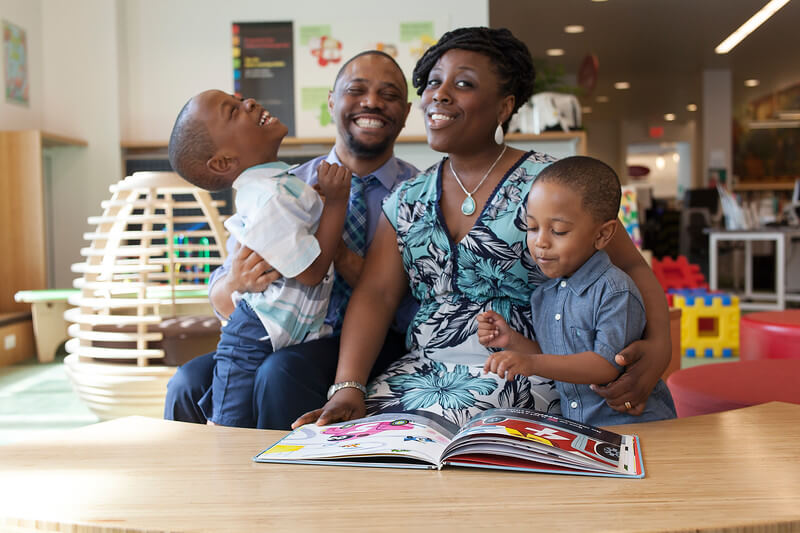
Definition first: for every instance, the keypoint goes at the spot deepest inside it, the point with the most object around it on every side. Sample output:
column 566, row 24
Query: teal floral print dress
column 489, row 268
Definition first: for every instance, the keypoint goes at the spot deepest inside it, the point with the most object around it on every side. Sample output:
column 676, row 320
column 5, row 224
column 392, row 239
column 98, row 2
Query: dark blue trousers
column 289, row 383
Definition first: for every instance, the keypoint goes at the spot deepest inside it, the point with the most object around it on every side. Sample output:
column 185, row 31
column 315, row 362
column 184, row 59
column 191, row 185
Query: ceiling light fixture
column 622, row 85
column 660, row 163
column 575, row 28
column 691, row 107
column 748, row 27
column 602, row 99
column 669, row 117
column 586, row 110
column 751, row 83
column 599, row 0
column 555, row 52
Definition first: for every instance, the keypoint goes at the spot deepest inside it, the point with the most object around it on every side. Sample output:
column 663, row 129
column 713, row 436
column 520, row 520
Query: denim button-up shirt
column 597, row 309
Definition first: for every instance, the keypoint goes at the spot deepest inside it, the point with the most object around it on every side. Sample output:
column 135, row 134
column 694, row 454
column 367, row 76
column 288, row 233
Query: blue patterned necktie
column 355, row 237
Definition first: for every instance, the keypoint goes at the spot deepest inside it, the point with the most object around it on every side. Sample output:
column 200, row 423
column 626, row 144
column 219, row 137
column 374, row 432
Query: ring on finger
column 628, row 405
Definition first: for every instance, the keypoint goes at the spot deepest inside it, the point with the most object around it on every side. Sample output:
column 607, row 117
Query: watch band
column 344, row 385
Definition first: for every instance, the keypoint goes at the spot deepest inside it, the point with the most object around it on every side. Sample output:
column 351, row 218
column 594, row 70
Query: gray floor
column 36, row 398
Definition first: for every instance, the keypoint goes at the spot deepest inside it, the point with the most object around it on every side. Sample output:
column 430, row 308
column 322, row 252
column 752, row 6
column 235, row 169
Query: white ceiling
column 660, row 46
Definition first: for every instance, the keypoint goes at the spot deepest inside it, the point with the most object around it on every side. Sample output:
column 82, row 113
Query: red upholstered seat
column 722, row 386
column 770, row 335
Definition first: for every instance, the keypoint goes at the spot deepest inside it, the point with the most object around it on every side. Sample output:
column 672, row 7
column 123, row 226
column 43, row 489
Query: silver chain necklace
column 468, row 206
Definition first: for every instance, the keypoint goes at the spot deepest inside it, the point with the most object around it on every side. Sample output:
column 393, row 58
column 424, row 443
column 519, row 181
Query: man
column 369, row 105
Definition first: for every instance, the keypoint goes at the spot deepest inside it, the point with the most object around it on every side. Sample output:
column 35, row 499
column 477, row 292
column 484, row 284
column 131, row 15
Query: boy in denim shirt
column 589, row 310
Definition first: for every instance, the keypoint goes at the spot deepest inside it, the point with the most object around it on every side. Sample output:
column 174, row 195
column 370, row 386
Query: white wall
column 81, row 99
column 27, row 15
column 175, row 49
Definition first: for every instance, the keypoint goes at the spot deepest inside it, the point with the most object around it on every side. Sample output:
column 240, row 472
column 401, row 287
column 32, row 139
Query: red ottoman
column 770, row 335
column 722, row 386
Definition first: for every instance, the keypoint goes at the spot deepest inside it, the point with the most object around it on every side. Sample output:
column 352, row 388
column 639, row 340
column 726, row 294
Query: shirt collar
column 267, row 170
column 388, row 174
column 586, row 275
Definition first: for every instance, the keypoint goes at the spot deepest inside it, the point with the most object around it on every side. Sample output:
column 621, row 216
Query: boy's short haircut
column 190, row 148
column 595, row 182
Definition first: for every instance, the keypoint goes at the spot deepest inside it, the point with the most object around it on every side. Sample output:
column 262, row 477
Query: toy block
column 678, row 274
column 709, row 323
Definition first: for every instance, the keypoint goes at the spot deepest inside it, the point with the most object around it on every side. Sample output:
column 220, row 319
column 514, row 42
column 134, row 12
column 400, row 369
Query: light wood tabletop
column 738, row 470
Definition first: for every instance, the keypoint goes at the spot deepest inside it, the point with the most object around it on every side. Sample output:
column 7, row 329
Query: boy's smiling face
column 562, row 234
column 244, row 133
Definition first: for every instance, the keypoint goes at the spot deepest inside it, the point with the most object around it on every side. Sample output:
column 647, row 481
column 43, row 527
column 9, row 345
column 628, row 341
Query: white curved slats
column 74, row 346
column 85, row 268
column 75, row 330
column 112, row 303
column 75, row 315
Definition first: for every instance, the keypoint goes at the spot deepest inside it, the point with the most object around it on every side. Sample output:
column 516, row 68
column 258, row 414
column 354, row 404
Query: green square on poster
column 310, row 32
column 410, row 31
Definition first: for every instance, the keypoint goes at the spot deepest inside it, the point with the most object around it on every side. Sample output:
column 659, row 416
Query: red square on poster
column 656, row 132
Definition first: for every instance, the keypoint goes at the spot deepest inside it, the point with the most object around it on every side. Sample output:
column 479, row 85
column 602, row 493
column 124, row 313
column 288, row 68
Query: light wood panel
column 22, row 237
column 732, row 471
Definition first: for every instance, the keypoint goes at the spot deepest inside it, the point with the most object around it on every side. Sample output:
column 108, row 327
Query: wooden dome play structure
column 143, row 301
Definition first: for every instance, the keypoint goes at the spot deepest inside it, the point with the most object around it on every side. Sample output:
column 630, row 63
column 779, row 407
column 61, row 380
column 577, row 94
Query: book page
column 524, row 433
column 395, row 437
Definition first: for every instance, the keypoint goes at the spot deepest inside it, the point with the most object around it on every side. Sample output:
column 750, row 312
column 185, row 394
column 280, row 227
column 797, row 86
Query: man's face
column 240, row 128
column 369, row 105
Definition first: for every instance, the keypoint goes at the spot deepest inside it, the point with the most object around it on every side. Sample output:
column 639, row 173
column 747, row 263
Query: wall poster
column 263, row 67
column 15, row 56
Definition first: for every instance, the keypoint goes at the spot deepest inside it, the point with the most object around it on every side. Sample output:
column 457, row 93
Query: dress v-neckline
column 438, row 200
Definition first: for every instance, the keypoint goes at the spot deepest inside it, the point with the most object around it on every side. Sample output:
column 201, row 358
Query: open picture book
column 506, row 439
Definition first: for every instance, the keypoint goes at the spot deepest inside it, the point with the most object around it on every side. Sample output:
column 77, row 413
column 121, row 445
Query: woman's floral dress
column 490, row 268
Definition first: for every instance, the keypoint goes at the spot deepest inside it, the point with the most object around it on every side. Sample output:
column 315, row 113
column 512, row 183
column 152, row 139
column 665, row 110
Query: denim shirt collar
column 585, row 276
column 387, row 174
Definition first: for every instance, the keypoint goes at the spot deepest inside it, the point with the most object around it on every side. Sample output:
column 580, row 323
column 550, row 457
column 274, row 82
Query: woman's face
column 462, row 104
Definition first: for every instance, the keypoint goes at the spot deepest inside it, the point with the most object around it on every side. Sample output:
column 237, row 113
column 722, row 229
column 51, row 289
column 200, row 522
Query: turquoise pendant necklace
column 468, row 205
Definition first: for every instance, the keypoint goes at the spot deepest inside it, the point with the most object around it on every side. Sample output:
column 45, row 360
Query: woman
column 456, row 235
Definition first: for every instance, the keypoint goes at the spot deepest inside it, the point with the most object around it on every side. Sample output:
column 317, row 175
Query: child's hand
column 509, row 364
column 334, row 181
column 493, row 330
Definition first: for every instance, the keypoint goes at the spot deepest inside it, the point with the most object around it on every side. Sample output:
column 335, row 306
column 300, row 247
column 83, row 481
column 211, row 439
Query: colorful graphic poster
column 322, row 48
column 15, row 55
column 629, row 214
column 263, row 67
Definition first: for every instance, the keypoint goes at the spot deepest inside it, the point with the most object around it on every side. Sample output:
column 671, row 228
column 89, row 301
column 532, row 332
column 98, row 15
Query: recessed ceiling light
column 573, row 28
column 660, row 163
column 691, row 107
column 751, row 83
column 676, row 157
column 554, row 52
column 669, row 117
column 602, row 99
column 622, row 85
column 586, row 109
column 748, row 27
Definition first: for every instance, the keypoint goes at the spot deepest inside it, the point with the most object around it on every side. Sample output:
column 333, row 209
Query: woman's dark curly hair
column 509, row 56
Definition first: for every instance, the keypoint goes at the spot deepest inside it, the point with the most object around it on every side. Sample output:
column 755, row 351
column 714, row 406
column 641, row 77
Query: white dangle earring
column 498, row 134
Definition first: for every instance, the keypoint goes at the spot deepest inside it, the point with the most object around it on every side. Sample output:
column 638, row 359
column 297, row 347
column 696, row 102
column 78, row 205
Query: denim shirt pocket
column 582, row 339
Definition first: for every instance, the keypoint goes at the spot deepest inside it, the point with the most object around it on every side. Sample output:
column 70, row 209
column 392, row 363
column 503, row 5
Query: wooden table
column 733, row 470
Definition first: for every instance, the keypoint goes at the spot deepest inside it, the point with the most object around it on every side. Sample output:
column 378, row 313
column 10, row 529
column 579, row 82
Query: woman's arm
column 372, row 306
column 646, row 359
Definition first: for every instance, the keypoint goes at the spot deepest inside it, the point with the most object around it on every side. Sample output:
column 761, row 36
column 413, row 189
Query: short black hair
column 190, row 148
column 371, row 52
column 595, row 182
column 509, row 56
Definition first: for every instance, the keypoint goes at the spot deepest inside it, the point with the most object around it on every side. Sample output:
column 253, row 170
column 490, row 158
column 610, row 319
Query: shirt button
column 574, row 405
column 563, row 284
column 558, row 316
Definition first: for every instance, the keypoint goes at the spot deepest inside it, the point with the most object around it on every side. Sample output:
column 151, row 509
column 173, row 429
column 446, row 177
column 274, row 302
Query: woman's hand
column 640, row 376
column 346, row 404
